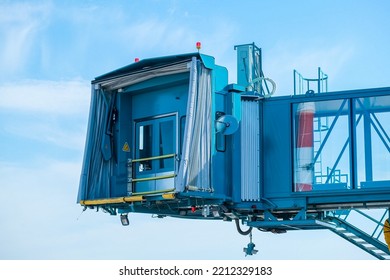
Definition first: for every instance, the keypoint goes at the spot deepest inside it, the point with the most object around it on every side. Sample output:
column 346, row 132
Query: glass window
column 322, row 145
column 145, row 146
column 166, row 143
column 155, row 137
column 372, row 120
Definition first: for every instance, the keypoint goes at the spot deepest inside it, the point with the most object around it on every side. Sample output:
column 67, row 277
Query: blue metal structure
column 169, row 136
column 303, row 85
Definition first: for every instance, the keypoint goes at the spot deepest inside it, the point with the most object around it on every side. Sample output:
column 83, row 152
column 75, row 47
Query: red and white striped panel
column 304, row 172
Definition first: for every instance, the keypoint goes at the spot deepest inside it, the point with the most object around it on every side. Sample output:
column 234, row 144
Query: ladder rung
column 350, row 236
column 354, row 237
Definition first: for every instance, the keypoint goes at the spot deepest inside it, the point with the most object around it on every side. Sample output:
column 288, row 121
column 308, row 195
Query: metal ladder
column 318, row 130
column 371, row 243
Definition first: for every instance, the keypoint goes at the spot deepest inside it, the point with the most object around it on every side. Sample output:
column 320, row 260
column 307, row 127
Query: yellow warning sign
column 126, row 147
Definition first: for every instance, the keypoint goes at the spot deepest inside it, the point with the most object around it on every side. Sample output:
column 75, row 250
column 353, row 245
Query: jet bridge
column 169, row 136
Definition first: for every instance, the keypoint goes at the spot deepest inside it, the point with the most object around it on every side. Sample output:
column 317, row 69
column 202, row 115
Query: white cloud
column 156, row 34
column 333, row 58
column 49, row 112
column 57, row 133
column 19, row 24
column 283, row 59
column 39, row 96
column 17, row 11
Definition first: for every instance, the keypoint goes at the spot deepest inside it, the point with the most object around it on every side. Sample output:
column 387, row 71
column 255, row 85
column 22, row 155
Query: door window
column 155, row 137
column 145, row 141
column 166, row 143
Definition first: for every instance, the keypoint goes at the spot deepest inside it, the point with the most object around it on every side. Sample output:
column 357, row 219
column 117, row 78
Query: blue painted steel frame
column 280, row 208
column 285, row 198
column 321, row 80
column 277, row 145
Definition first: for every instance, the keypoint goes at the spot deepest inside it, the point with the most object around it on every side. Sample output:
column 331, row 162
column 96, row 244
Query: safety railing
column 376, row 229
column 153, row 158
column 130, row 170
column 362, row 230
column 302, row 85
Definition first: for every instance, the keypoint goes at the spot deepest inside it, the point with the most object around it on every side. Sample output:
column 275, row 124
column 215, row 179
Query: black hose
column 240, row 231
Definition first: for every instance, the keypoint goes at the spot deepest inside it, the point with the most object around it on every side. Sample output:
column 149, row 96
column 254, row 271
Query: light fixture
column 124, row 220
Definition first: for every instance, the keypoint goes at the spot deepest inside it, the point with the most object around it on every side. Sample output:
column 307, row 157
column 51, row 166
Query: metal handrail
column 135, row 180
column 300, row 81
column 153, row 158
column 379, row 222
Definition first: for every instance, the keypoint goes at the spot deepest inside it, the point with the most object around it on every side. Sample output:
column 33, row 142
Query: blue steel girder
column 380, row 131
column 330, row 130
column 298, row 221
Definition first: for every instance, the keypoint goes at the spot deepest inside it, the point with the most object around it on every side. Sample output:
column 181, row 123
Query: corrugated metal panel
column 250, row 151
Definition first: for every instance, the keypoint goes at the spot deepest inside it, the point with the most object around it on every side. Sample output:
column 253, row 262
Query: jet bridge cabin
column 151, row 134
column 169, row 136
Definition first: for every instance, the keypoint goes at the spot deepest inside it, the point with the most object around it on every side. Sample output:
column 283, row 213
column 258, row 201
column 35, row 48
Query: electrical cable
column 240, row 231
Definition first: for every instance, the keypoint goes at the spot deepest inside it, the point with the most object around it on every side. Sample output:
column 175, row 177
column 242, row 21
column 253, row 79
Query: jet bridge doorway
column 157, row 110
column 154, row 165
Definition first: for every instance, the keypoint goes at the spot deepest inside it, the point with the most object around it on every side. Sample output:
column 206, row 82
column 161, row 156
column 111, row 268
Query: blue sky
column 51, row 50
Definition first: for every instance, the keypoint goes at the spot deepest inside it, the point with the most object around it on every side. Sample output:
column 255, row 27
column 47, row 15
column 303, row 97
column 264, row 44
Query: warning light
column 198, row 45
column 136, row 59
column 193, row 209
